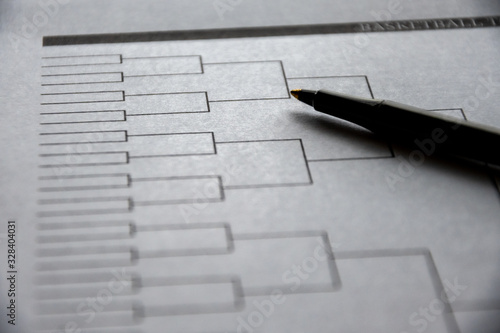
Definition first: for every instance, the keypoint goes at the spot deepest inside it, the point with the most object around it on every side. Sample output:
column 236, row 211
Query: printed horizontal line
column 80, row 56
column 82, row 212
column 83, row 224
column 82, row 78
column 272, row 31
column 250, row 141
column 83, row 97
column 147, row 75
column 248, row 99
column 324, row 77
column 174, row 93
column 160, row 113
column 165, row 56
column 350, row 159
column 72, row 112
column 71, row 74
column 83, row 60
column 240, row 62
column 242, row 187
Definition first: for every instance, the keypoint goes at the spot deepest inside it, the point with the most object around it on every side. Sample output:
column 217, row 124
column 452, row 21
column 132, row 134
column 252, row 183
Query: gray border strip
column 292, row 30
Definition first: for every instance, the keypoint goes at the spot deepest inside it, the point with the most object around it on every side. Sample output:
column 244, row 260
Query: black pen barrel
column 428, row 131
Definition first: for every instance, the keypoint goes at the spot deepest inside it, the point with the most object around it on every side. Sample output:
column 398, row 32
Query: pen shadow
column 357, row 136
column 361, row 137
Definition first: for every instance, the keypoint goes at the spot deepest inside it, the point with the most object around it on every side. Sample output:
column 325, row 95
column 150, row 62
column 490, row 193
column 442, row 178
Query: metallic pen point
column 295, row 93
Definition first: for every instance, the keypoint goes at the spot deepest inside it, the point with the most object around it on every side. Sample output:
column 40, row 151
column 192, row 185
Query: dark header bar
column 295, row 30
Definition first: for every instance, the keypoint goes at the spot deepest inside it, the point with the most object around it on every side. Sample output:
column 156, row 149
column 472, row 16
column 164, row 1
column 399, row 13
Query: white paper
column 175, row 186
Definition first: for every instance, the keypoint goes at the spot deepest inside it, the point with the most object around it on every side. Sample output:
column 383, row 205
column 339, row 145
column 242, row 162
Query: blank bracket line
column 349, row 159
column 248, row 99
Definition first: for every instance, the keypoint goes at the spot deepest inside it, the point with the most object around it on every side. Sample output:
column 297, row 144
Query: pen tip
column 295, row 93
